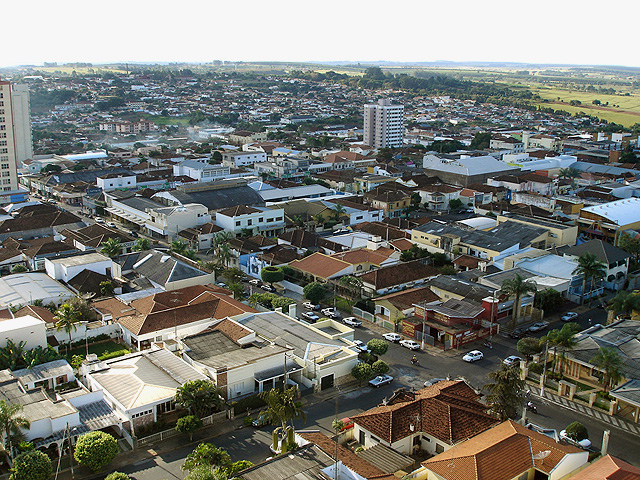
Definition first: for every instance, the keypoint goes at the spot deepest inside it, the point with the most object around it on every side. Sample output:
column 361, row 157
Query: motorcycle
column 488, row 344
column 414, row 361
column 531, row 407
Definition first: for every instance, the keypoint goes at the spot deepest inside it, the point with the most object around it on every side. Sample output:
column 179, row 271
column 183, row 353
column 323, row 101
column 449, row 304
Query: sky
column 544, row 31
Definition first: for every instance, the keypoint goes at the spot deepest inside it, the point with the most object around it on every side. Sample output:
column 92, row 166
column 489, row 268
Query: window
column 260, row 220
column 249, row 222
column 3, row 143
column 6, row 181
column 6, row 174
column 279, row 219
column 237, row 223
column 4, row 166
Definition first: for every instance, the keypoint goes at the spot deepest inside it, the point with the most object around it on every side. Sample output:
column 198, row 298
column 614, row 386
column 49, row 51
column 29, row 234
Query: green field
column 97, row 348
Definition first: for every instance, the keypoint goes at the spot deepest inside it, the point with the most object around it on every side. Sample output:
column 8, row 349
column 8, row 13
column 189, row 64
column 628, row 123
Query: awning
column 276, row 372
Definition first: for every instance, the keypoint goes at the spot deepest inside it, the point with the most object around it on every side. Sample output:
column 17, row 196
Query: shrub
column 117, row 476
column 95, row 450
column 188, row 425
column 536, row 368
column 361, row 371
column 33, row 465
column 248, row 403
column 577, row 431
column 379, row 368
column 248, row 420
column 377, row 346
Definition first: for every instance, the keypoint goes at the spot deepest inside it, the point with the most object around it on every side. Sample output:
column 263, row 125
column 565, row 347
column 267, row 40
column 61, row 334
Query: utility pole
column 424, row 319
column 544, row 371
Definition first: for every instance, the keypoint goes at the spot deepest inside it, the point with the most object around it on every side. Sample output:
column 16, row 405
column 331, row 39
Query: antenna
column 541, row 455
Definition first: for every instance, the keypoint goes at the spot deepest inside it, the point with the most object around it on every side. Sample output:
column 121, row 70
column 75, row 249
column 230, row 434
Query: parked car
column 584, row 443
column 352, row 322
column 569, row 317
column 392, row 337
column 433, row 381
column 360, row 345
column 380, row 380
column 255, row 281
column 410, row 344
column 518, row 333
column 311, row 306
column 111, row 224
column 268, row 288
column 310, row 316
column 538, row 327
column 221, row 284
column 134, row 234
column 512, row 360
column 261, row 420
column 473, row 356
column 330, row 312
column 99, row 220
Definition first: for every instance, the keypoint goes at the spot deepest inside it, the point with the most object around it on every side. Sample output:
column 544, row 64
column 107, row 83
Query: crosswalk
column 614, row 421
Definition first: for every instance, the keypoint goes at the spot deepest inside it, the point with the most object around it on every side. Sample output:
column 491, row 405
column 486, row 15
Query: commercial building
column 383, row 124
column 15, row 132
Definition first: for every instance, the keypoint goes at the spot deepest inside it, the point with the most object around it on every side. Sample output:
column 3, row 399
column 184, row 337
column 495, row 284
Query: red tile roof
column 449, row 411
column 608, row 468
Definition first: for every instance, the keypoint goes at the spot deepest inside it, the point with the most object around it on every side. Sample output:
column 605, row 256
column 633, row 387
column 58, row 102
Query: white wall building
column 114, row 181
column 15, row 132
column 68, row 267
column 243, row 159
column 383, row 124
column 200, row 171
column 267, row 221
column 28, row 329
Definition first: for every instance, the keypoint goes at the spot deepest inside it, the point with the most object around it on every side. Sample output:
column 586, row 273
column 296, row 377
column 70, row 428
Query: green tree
column 379, row 367
column 591, row 269
column 32, row 465
column 111, row 247
column 631, row 245
column 455, row 204
column 224, row 255
column 204, row 472
column 338, row 212
column 67, row 318
column 549, row 300
column 481, row 141
column 234, row 275
column 199, row 397
column 117, row 476
column 283, row 405
column 141, row 245
column 609, row 362
column 19, row 269
column 216, row 155
column 624, row 303
column 314, row 292
column 362, row 371
column 179, row 247
column 377, row 346
column 577, row 431
column 353, row 285
column 106, row 288
column 238, row 290
column 188, row 425
column 207, row 455
column 95, row 450
column 272, row 274
column 11, row 422
column 12, row 355
column 51, row 168
column 570, row 174
column 528, row 346
column 238, row 466
column 517, row 287
column 565, row 341
column 505, row 392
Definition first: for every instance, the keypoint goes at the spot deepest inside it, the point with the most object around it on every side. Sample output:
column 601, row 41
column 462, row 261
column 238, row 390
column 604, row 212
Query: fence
column 158, row 437
column 365, row 315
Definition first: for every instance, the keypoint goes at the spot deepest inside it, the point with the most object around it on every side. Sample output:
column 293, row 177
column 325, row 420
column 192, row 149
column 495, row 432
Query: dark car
column 518, row 333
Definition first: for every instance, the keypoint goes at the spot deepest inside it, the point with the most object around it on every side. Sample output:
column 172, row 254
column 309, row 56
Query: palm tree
column 111, row 247
column 517, row 286
column 224, row 254
column 609, row 361
column 67, row 318
column 564, row 341
column 282, row 406
column 11, row 422
column 353, row 284
column 141, row 245
column 505, row 393
column 318, row 218
column 625, row 302
column 338, row 212
column 591, row 269
column 571, row 174
column 12, row 355
column 179, row 246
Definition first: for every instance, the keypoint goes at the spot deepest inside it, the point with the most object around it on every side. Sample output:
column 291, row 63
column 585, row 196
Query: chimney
column 605, row 442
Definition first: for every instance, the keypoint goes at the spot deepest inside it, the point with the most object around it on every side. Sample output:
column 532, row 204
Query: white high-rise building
column 383, row 124
column 15, row 133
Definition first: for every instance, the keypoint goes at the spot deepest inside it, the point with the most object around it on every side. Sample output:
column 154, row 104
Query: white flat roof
column 621, row 212
column 20, row 322
column 25, row 288
column 93, row 257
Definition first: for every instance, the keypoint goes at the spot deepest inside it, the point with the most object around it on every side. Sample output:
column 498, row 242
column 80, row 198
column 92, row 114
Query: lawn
column 99, row 349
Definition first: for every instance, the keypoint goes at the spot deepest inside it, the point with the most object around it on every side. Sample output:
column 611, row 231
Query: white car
column 392, row 337
column 433, row 381
column 255, row 281
column 512, row 360
column 410, row 344
column 360, row 345
column 584, row 443
column 99, row 220
column 538, row 327
column 352, row 321
column 310, row 316
column 473, row 356
column 330, row 312
column 569, row 317
column 380, row 380
column 310, row 306
column 111, row 224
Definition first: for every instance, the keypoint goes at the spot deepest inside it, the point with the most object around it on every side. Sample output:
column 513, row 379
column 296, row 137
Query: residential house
column 319, row 267
column 396, row 277
column 9, row 258
column 202, row 171
column 261, row 220
column 66, row 268
column 465, row 171
column 242, row 137
column 237, row 360
column 615, row 260
column 433, row 419
column 324, row 350
column 559, row 233
column 28, row 329
column 37, row 221
column 246, row 250
column 113, row 181
column 437, row 196
column 214, row 195
column 140, row 386
column 93, row 236
column 367, row 182
column 392, row 308
column 346, row 160
column 21, row 289
column 304, row 240
column 608, row 468
column 484, row 457
column 243, row 159
column 356, row 212
column 158, row 270
column 200, row 237
column 391, row 202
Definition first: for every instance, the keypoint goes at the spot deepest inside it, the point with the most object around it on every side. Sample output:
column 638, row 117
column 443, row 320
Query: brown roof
column 399, row 274
column 238, row 210
column 38, row 312
column 449, row 411
column 608, row 468
column 34, row 221
column 180, row 307
column 344, row 156
column 232, row 329
column 407, row 298
column 466, row 261
column 386, row 232
column 362, row 255
column 500, row 453
column 402, row 244
column 320, row 265
column 346, row 456
column 95, row 235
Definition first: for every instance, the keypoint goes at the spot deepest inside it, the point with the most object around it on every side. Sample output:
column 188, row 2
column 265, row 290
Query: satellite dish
column 542, row 455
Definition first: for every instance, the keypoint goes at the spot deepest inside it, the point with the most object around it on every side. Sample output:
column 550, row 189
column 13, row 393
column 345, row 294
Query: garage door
column 326, row 382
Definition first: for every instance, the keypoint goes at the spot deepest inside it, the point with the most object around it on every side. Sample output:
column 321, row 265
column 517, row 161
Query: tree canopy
column 200, row 397
column 32, row 465
column 505, row 392
column 314, row 292
column 95, row 450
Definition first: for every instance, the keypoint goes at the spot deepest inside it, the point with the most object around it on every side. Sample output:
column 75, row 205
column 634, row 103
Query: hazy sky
column 542, row 31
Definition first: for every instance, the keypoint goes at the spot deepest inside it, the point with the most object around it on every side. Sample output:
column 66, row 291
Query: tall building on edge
column 16, row 143
column 383, row 124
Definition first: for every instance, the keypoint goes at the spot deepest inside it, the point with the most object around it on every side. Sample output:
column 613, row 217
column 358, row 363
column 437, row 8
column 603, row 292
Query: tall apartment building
column 16, row 142
column 383, row 124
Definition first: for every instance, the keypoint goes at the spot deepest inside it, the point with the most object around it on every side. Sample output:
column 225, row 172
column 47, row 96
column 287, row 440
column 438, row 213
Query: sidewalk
column 612, row 420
